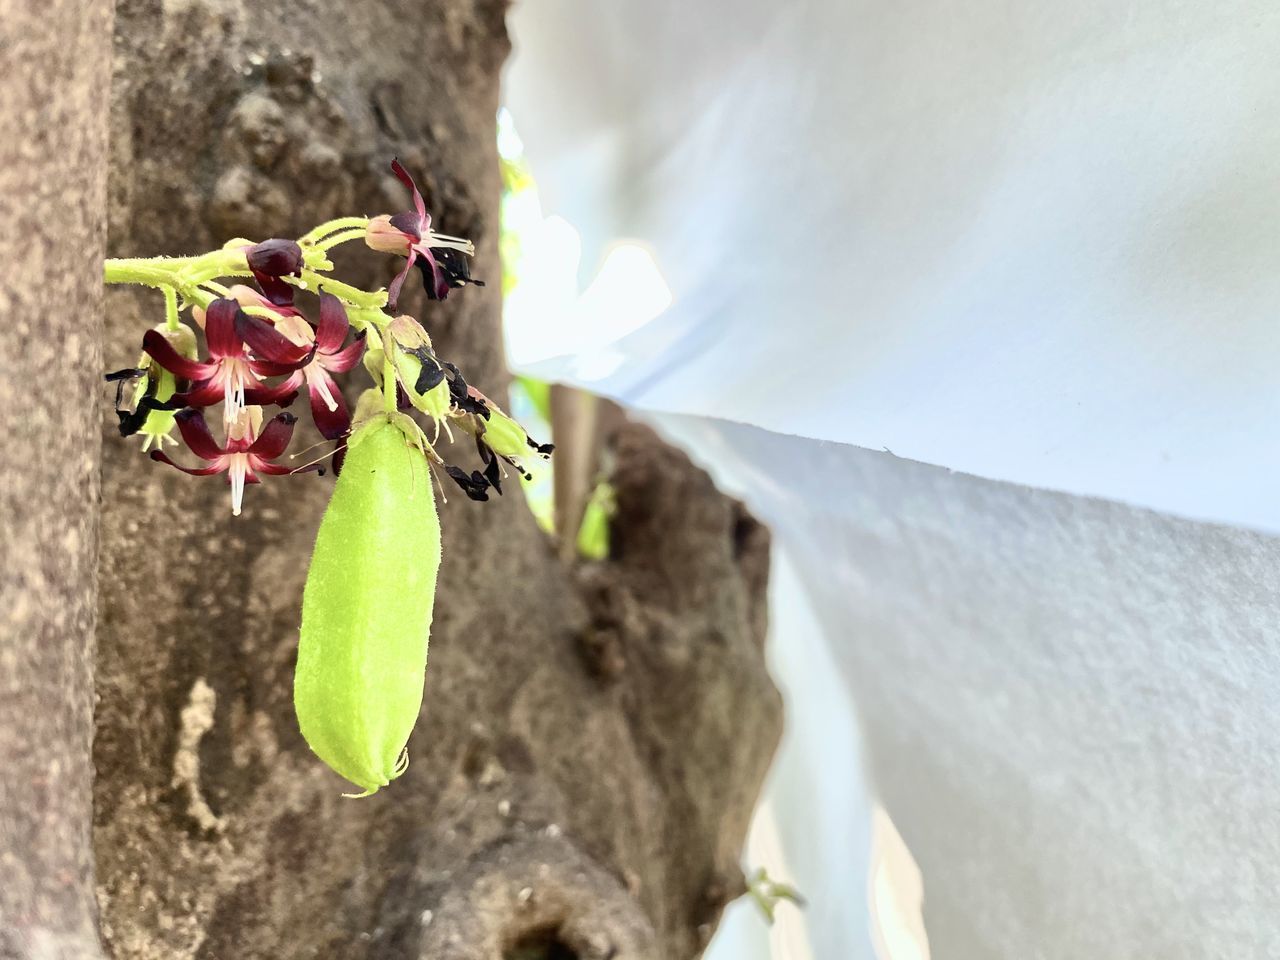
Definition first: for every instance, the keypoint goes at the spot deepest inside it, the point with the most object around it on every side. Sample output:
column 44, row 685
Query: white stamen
column 237, row 468
column 322, row 387
column 310, row 463
column 306, row 450
column 230, row 409
column 234, row 373
column 454, row 243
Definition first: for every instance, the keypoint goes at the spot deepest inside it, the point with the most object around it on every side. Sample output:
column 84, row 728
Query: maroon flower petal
column 265, row 368
column 203, row 394
column 195, row 432
column 346, row 358
column 276, row 257
column 216, row 467
column 163, row 353
column 393, row 291
column 267, row 343
column 403, row 175
column 271, row 260
column 332, row 424
column 274, row 289
column 434, row 280
column 410, row 224
column 333, row 326
column 220, row 329
column 275, row 437
column 296, row 379
column 281, row 394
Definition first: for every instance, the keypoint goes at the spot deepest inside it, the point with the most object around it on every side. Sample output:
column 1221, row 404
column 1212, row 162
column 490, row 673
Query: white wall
column 1069, row 705
column 1033, row 241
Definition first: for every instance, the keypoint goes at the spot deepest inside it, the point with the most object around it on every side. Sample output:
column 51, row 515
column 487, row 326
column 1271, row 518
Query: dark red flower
column 244, row 457
column 328, row 356
column 230, row 374
column 448, row 269
column 410, row 233
column 271, row 260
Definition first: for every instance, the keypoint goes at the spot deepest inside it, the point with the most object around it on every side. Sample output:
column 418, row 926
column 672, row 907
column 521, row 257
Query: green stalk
column 330, row 242
column 342, row 223
column 171, row 308
column 343, row 291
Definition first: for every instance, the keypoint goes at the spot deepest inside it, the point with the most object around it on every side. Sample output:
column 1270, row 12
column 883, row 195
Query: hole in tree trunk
column 540, row 945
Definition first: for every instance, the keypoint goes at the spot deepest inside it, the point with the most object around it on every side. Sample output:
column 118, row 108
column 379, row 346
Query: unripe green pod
column 366, row 609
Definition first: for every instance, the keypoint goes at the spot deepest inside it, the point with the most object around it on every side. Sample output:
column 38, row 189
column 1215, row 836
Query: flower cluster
column 260, row 348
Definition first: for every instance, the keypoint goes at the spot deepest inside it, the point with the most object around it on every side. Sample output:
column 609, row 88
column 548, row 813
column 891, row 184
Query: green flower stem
column 388, row 376
column 159, row 272
column 342, row 223
column 184, row 274
column 227, row 262
column 195, row 280
column 160, row 275
column 362, row 318
column 343, row 291
column 330, row 242
column 171, row 308
column 200, row 278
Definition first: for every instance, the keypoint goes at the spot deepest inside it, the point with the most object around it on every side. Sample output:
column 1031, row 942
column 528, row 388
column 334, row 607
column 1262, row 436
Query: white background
column 1028, row 241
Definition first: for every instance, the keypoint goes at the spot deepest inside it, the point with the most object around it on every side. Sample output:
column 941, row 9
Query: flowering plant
column 261, row 349
column 365, row 619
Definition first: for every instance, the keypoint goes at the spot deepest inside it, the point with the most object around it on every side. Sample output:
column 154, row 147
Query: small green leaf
column 767, row 893
column 593, row 533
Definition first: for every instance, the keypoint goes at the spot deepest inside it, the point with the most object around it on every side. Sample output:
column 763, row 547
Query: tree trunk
column 593, row 736
column 55, row 59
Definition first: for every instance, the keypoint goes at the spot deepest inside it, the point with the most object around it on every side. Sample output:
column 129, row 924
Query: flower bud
column 409, row 333
column 269, row 261
column 275, row 258
column 384, row 237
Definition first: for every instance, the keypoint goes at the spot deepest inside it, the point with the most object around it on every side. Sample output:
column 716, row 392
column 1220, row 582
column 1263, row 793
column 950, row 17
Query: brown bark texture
column 593, row 735
column 55, row 65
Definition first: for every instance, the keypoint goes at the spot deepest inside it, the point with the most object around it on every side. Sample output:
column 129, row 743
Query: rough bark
column 55, row 59
column 593, row 737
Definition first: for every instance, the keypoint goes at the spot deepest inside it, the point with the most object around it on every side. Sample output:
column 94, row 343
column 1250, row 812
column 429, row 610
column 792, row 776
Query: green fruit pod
column 366, row 610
